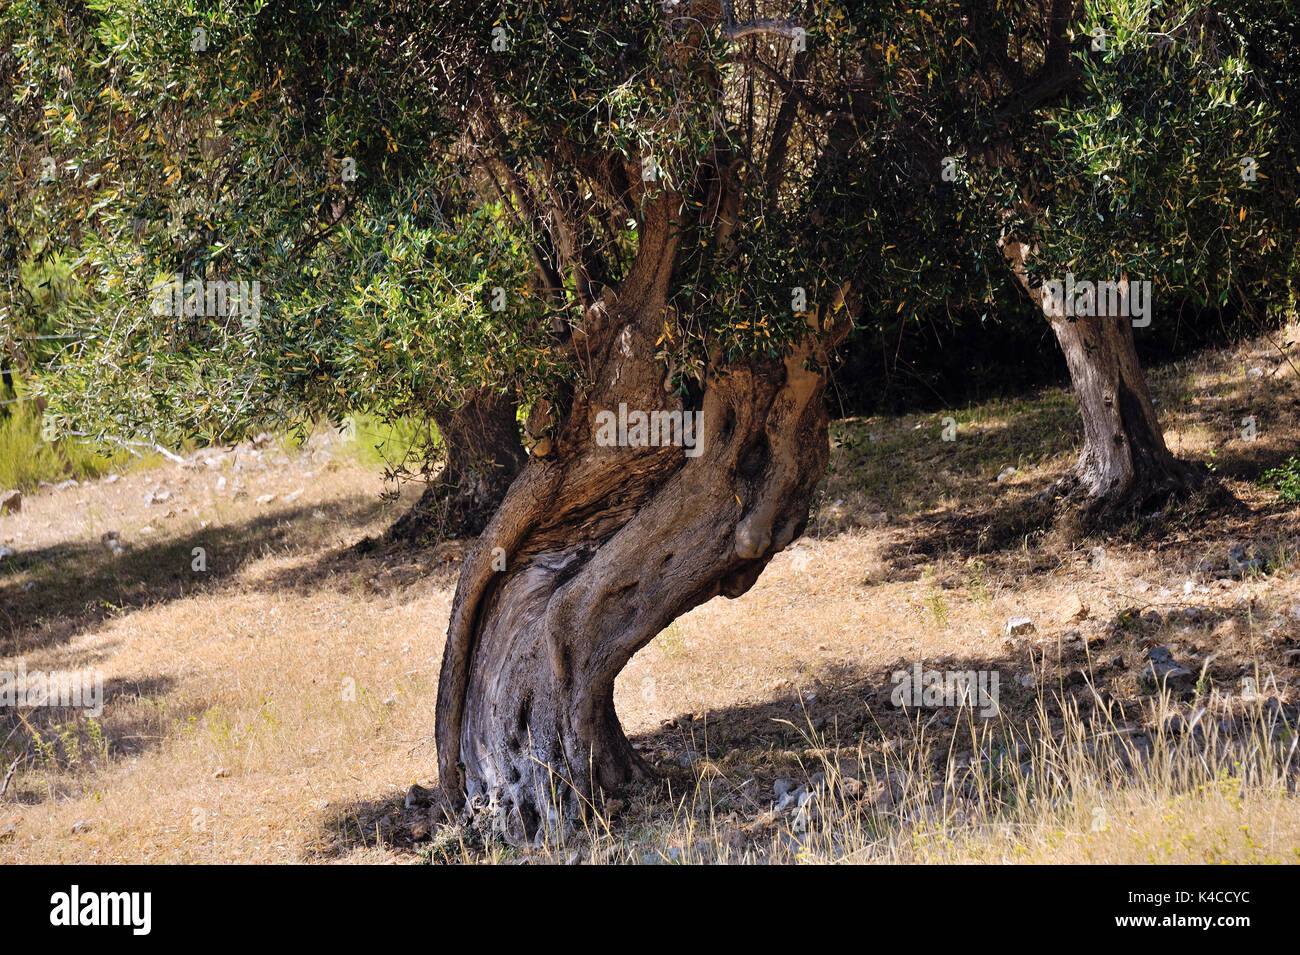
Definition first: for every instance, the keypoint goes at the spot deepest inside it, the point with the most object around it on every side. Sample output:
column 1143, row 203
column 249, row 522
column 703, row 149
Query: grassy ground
column 26, row 461
column 275, row 705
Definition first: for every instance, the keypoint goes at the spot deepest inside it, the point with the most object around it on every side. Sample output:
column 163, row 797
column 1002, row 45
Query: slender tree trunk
column 1125, row 464
column 596, row 549
column 483, row 455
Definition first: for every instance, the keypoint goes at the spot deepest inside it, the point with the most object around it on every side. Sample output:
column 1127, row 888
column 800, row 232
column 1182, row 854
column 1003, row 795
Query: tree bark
column 483, row 455
column 1125, row 465
column 596, row 549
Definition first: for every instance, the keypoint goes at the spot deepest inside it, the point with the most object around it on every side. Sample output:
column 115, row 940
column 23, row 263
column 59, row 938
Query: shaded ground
column 277, row 705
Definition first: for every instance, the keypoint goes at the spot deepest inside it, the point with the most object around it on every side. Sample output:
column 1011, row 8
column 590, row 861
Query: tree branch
column 738, row 31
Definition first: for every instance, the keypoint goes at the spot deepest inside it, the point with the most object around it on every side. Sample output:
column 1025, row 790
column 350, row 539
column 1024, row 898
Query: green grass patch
column 26, row 460
column 1285, row 480
column 403, row 443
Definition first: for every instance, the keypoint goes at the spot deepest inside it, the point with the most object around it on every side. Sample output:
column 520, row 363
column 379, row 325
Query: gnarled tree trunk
column 483, row 455
column 596, row 549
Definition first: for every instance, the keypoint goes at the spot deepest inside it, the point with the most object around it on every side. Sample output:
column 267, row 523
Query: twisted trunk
column 596, row 549
column 483, row 455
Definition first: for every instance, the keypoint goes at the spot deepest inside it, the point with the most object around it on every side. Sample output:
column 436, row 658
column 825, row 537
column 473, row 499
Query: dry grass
column 276, row 706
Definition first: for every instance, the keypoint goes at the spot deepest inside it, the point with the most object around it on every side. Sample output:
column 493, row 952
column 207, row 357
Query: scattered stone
column 221, row 483
column 81, row 826
column 112, row 478
column 157, row 496
column 417, row 795
column 11, row 502
column 1164, row 671
column 65, row 485
column 1019, row 626
column 1005, row 474
column 1074, row 608
column 266, row 499
column 290, row 498
column 1151, row 620
column 1241, row 564
column 788, row 796
column 6, row 552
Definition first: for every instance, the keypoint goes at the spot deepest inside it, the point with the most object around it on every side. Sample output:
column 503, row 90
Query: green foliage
column 1286, row 480
column 1140, row 172
column 505, row 146
column 26, row 460
column 393, row 444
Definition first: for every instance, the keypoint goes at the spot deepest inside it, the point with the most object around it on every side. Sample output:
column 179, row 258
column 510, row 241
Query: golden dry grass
column 275, row 707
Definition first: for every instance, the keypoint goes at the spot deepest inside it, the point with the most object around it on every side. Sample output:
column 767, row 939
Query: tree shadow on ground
column 71, row 588
column 1015, row 524
column 377, row 572
column 56, row 746
column 728, row 758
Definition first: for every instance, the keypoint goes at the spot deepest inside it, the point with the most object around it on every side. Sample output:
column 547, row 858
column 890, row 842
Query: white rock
column 157, row 496
column 1018, row 626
